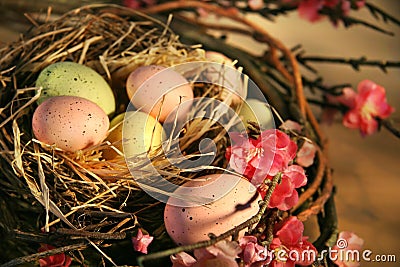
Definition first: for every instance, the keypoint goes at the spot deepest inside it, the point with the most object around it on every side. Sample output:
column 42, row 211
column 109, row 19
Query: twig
column 319, row 203
column 376, row 11
column 328, row 223
column 94, row 235
column 355, row 63
column 350, row 21
column 261, row 34
column 253, row 220
column 388, row 124
column 315, row 185
column 43, row 254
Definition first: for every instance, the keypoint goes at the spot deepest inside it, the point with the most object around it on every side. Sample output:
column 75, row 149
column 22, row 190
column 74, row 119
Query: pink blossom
column 256, row 4
column 312, row 10
column 263, row 158
column 347, row 241
column 285, row 195
column 309, row 9
column 223, row 254
column 306, row 154
column 182, row 259
column 141, row 242
column 347, row 98
column 253, row 253
column 258, row 158
column 58, row 260
column 288, row 236
column 369, row 104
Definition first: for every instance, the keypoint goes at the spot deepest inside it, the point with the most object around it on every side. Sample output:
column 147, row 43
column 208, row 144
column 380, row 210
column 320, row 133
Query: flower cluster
column 364, row 108
column 271, row 154
column 315, row 10
column 288, row 236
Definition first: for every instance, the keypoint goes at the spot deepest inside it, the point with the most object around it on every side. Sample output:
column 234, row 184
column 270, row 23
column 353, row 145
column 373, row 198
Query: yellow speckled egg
column 257, row 111
column 147, row 85
column 70, row 78
column 70, row 123
column 136, row 131
column 187, row 223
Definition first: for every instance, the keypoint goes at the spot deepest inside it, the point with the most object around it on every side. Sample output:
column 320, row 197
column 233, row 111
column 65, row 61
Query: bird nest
column 90, row 207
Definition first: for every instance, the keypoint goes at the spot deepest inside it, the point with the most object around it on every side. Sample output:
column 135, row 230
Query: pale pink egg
column 234, row 200
column 158, row 91
column 70, row 123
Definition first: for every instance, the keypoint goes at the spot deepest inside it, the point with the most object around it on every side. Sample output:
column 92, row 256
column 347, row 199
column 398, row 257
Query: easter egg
column 158, row 91
column 136, row 133
column 70, row 78
column 254, row 110
column 70, row 123
column 233, row 201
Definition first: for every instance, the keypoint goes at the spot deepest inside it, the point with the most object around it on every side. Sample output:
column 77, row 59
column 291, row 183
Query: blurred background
column 366, row 170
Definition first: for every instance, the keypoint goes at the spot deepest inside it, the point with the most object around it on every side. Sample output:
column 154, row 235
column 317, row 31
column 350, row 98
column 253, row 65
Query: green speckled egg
column 73, row 79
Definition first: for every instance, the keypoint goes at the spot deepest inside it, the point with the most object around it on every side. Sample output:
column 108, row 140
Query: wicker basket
column 72, row 201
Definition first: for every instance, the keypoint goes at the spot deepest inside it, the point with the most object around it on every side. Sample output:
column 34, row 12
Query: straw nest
column 89, row 205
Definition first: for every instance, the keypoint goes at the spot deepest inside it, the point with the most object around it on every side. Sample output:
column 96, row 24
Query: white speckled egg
column 137, row 132
column 147, row 85
column 188, row 224
column 70, row 122
column 70, row 78
column 256, row 111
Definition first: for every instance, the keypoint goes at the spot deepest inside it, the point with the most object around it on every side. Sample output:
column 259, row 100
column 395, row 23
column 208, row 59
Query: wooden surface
column 366, row 170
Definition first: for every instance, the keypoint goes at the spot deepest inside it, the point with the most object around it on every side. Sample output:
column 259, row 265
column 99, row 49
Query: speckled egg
column 254, row 110
column 146, row 86
column 70, row 78
column 70, row 123
column 234, row 200
column 136, row 133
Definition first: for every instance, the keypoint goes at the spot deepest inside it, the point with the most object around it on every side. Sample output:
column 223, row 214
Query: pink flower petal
column 290, row 231
column 348, row 242
column 309, row 10
column 58, row 260
column 296, row 174
column 141, row 242
column 306, row 154
column 182, row 259
column 347, row 98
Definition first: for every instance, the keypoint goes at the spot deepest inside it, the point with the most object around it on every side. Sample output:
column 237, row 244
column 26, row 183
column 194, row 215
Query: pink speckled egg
column 147, row 85
column 234, row 200
column 70, row 123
